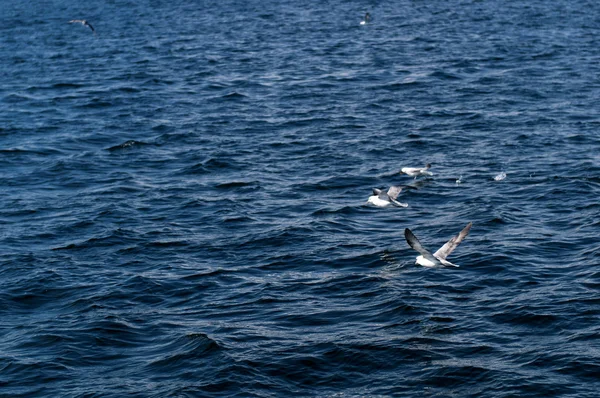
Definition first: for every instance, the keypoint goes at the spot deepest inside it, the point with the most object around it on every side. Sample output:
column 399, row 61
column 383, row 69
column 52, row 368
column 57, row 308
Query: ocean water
column 183, row 198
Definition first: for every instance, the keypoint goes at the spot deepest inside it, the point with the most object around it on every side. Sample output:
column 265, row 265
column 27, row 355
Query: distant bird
column 459, row 181
column 366, row 20
column 84, row 23
column 417, row 171
column 437, row 259
column 500, row 177
column 384, row 199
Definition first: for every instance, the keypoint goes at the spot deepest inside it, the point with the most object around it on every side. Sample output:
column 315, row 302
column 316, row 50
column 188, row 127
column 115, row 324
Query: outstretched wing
column 376, row 191
column 415, row 244
column 398, row 204
column 453, row 243
column 394, row 191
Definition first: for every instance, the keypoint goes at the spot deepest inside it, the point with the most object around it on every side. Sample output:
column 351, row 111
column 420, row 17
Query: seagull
column 417, row 171
column 500, row 177
column 384, row 199
column 84, row 23
column 366, row 20
column 437, row 259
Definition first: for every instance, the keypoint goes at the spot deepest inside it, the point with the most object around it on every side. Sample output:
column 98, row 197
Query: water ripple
column 185, row 199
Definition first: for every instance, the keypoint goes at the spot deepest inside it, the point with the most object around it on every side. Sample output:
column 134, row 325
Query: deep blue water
column 183, row 198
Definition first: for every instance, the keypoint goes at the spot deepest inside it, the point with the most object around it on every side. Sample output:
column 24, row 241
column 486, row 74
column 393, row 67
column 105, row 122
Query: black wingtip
column 409, row 236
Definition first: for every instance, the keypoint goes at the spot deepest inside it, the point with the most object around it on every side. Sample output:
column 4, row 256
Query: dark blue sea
column 183, row 198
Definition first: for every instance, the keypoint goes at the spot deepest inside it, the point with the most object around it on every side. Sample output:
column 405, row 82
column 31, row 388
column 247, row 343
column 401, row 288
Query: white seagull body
column 437, row 259
column 384, row 199
column 500, row 177
column 84, row 23
column 417, row 171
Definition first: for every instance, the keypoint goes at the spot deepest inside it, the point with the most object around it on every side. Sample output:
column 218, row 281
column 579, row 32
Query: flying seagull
column 437, row 259
column 384, row 199
column 84, row 23
column 417, row 171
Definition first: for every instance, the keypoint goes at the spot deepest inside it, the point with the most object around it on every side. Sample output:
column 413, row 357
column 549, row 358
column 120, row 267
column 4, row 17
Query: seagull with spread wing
column 437, row 259
column 417, row 171
column 84, row 23
column 384, row 199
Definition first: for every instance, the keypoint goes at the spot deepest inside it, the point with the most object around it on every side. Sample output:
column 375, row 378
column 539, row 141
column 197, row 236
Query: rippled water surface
column 183, row 198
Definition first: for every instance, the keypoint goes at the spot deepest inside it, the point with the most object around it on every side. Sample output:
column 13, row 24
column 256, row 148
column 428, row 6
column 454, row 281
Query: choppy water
column 183, row 198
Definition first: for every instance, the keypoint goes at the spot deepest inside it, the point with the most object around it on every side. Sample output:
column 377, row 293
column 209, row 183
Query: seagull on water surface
column 366, row 20
column 500, row 177
column 84, row 23
column 437, row 259
column 417, row 171
column 384, row 199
